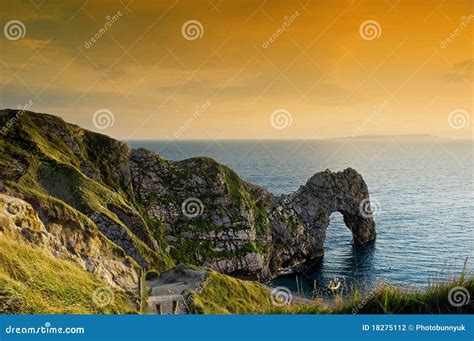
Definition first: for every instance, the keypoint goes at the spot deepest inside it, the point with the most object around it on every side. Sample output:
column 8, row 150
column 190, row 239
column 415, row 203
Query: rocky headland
column 114, row 210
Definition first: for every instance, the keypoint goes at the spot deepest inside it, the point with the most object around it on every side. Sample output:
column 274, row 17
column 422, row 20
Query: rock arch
column 327, row 192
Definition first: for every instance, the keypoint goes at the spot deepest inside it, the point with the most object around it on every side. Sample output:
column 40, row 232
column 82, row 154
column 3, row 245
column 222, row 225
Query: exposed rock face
column 300, row 219
column 161, row 212
column 324, row 193
column 20, row 221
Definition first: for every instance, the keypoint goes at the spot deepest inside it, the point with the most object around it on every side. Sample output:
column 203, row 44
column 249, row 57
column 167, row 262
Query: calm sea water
column 425, row 188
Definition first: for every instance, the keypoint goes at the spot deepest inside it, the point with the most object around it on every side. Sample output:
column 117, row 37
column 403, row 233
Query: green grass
column 49, row 172
column 195, row 251
column 52, row 170
column 394, row 300
column 61, row 184
column 389, row 300
column 34, row 282
column 236, row 188
column 227, row 295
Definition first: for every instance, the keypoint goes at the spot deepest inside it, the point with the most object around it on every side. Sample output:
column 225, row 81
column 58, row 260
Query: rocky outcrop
column 326, row 192
column 18, row 220
column 161, row 212
column 312, row 204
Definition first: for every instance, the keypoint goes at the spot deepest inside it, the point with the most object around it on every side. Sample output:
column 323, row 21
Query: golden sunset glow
column 249, row 59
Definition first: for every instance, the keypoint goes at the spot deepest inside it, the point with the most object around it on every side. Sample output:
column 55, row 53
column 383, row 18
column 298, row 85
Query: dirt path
column 167, row 290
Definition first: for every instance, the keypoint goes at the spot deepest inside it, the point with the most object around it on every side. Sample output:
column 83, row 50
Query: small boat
column 334, row 285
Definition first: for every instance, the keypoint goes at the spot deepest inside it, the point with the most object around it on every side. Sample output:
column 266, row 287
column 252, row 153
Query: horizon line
column 373, row 137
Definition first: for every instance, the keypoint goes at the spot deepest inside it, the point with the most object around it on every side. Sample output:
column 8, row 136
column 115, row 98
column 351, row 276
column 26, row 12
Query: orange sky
column 320, row 74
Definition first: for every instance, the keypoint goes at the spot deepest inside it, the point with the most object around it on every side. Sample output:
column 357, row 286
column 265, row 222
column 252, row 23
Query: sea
column 422, row 190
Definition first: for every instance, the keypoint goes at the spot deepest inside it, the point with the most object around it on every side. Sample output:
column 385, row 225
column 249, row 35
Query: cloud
column 462, row 71
column 143, row 63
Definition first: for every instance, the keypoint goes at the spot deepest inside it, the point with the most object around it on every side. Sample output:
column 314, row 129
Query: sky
column 219, row 69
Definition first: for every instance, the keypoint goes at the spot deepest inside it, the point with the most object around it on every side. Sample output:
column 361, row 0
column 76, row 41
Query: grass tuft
column 227, row 295
column 34, row 282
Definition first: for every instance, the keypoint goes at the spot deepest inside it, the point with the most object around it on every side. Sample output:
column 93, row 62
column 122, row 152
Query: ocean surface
column 423, row 190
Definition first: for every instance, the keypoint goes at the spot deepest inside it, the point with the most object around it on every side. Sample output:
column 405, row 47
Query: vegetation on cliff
column 131, row 198
column 33, row 282
column 226, row 295
column 94, row 212
column 223, row 294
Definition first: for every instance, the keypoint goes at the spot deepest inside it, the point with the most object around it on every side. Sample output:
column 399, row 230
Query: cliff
column 113, row 209
column 36, row 278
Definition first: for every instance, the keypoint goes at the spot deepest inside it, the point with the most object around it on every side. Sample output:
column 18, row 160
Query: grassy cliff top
column 33, row 282
column 226, row 295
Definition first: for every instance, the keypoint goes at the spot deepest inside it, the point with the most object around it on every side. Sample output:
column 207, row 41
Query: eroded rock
column 20, row 221
column 161, row 212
